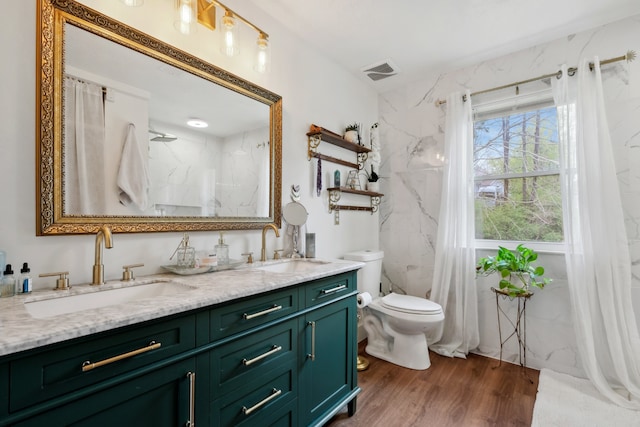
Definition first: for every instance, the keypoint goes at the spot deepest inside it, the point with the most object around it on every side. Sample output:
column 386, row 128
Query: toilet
column 399, row 327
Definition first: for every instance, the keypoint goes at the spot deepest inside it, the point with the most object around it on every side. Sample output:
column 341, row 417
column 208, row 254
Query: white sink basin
column 41, row 309
column 293, row 266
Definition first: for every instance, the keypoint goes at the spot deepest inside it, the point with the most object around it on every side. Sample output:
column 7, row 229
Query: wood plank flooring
column 452, row 392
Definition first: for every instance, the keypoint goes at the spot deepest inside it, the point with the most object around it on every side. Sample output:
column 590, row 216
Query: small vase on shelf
column 373, row 186
column 351, row 136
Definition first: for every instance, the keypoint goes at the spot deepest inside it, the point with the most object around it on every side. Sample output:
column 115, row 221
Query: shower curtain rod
column 629, row 56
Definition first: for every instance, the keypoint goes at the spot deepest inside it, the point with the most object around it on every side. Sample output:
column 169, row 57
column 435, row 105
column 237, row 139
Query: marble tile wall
column 411, row 133
column 200, row 174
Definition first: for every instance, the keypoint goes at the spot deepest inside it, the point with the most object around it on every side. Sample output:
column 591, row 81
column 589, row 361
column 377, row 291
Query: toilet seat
column 410, row 304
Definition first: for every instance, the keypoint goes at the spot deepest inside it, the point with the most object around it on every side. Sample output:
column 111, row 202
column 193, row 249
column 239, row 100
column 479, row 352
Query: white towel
column 133, row 174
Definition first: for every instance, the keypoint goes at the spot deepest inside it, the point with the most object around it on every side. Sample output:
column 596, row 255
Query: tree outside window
column 517, row 181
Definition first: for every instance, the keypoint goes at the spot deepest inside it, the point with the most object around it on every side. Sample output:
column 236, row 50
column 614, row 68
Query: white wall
column 314, row 90
column 412, row 134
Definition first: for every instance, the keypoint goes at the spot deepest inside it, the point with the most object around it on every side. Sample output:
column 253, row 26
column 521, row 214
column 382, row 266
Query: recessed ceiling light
column 197, row 123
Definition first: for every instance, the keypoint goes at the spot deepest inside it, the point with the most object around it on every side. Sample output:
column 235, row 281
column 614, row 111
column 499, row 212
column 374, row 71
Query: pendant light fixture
column 229, row 43
column 186, row 16
column 190, row 12
column 262, row 60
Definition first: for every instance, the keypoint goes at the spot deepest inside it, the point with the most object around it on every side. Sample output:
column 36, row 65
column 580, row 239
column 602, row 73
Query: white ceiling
column 426, row 36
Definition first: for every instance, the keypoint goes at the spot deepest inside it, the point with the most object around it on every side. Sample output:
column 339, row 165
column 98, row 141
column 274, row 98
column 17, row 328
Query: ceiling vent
column 380, row 70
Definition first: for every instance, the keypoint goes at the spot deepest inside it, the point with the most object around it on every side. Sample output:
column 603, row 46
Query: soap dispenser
column 8, row 288
column 222, row 251
column 186, row 255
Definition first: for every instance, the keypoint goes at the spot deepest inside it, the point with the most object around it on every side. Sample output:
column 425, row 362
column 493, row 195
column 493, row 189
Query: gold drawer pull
column 274, row 393
column 332, row 290
column 274, row 349
column 312, row 355
column 88, row 366
column 275, row 307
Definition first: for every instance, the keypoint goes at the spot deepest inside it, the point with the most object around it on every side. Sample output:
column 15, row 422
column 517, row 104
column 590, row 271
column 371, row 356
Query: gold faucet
column 263, row 256
column 98, row 269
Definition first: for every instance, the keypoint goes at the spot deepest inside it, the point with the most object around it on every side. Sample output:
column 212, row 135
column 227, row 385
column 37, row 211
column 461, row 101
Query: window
column 516, row 169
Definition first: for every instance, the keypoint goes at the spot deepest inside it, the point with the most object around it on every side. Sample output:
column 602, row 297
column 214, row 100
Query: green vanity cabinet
column 280, row 358
column 327, row 361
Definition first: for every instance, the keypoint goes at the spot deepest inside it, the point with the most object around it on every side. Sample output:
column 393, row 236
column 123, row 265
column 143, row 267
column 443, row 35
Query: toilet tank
column 369, row 275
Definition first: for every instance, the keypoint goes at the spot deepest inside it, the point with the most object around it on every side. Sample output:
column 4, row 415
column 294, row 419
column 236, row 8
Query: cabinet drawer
column 324, row 290
column 262, row 404
column 160, row 398
column 253, row 312
column 237, row 363
column 58, row 369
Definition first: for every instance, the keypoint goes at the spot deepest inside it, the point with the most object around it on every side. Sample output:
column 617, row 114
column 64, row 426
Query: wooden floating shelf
column 335, row 160
column 352, row 208
column 355, row 191
column 335, row 139
column 315, row 136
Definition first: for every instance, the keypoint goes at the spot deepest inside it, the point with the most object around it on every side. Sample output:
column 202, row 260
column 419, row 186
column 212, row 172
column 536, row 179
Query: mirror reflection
column 146, row 138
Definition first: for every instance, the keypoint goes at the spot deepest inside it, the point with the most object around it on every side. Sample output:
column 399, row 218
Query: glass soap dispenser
column 8, row 283
column 222, row 251
column 186, row 255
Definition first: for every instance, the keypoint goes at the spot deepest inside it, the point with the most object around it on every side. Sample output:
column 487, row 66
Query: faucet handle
column 63, row 281
column 276, row 253
column 127, row 274
column 249, row 258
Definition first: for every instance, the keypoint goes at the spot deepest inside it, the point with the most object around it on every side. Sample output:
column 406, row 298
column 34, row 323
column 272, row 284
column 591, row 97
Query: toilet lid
column 410, row 304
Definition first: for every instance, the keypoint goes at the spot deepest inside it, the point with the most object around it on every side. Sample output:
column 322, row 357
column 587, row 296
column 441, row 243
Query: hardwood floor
column 452, row 392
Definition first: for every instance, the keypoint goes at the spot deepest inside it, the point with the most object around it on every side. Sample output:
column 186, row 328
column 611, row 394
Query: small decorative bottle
column 8, row 288
column 222, row 251
column 336, row 178
column 25, row 284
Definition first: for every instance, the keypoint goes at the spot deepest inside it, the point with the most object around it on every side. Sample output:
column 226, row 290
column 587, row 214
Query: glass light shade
column 132, row 2
column 263, row 57
column 186, row 18
column 229, row 42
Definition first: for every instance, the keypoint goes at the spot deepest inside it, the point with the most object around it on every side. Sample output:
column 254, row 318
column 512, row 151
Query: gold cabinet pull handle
column 312, row 355
column 88, row 366
column 332, row 290
column 274, row 349
column 192, row 399
column 275, row 307
column 274, row 393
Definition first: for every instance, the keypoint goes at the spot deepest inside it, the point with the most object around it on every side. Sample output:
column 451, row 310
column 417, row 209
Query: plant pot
column 351, row 136
column 373, row 186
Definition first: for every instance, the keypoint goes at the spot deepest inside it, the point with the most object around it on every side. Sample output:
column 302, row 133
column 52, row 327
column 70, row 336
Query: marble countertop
column 20, row 331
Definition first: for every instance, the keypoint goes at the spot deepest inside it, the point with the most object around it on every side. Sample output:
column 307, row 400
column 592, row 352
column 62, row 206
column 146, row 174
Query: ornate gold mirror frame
column 50, row 218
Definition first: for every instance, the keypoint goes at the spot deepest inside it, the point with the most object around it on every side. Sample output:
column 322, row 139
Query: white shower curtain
column 84, row 148
column 454, row 286
column 597, row 252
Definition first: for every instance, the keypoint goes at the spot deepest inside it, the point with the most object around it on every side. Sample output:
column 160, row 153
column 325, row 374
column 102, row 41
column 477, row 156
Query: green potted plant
column 372, row 180
column 517, row 274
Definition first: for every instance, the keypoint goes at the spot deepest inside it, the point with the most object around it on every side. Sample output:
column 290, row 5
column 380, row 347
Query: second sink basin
column 293, row 266
column 42, row 309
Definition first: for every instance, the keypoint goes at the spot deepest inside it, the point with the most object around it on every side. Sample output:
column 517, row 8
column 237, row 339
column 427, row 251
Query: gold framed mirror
column 112, row 144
